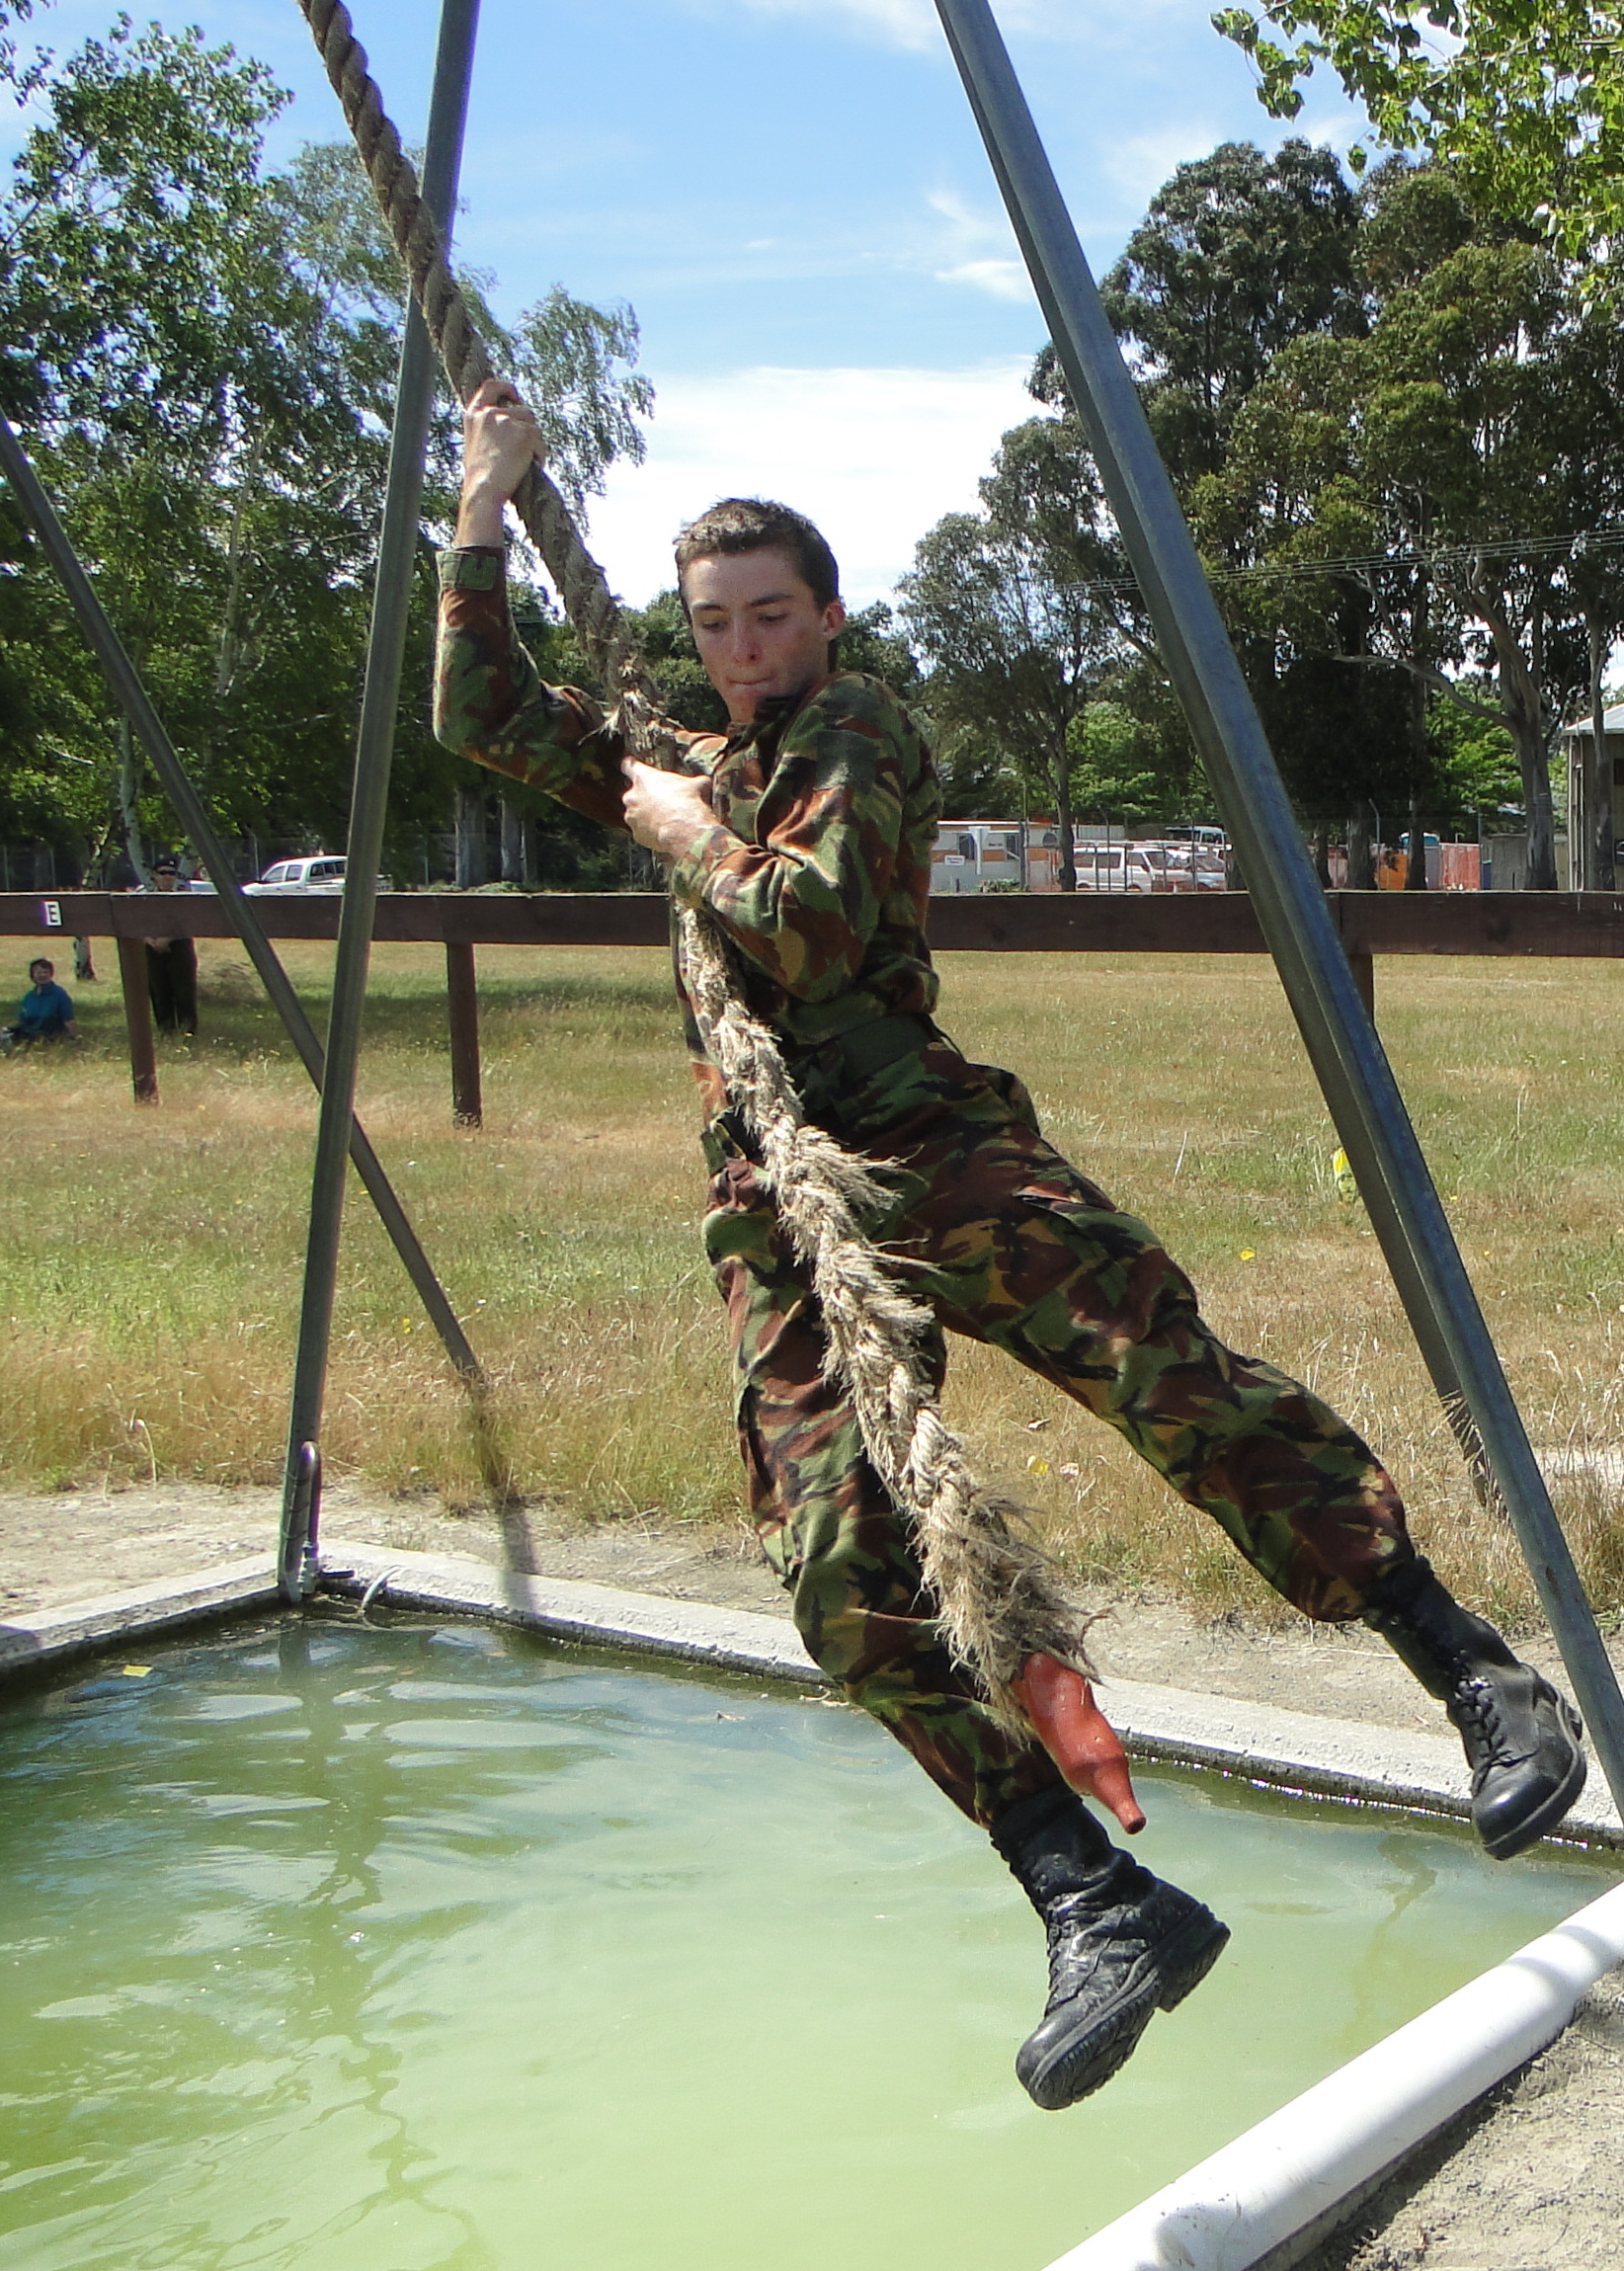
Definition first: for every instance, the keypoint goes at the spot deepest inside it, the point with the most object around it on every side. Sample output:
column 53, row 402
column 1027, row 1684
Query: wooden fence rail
column 1370, row 923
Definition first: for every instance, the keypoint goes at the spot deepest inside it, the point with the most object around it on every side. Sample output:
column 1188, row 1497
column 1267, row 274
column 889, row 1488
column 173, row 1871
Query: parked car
column 1114, row 868
column 320, row 872
column 1183, row 870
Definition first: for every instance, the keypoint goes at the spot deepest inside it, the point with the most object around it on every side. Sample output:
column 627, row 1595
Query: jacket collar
column 766, row 728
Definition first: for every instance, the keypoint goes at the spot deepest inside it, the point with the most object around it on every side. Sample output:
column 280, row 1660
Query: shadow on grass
column 235, row 1016
column 413, row 1015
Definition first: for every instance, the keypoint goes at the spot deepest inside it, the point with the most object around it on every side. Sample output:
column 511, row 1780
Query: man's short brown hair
column 755, row 525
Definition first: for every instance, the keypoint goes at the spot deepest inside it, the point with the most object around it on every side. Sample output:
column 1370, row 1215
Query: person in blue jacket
column 43, row 1014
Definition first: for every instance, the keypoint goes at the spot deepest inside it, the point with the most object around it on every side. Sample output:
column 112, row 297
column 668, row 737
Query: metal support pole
column 463, row 1011
column 143, row 1056
column 391, row 596
column 192, row 813
column 1405, row 1210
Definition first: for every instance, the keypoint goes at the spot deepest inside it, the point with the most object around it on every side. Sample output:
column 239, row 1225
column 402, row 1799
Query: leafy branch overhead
column 1524, row 98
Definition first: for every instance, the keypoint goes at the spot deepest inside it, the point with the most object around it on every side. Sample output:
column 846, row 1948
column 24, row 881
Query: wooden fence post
column 1364, row 968
column 462, row 1006
column 143, row 1057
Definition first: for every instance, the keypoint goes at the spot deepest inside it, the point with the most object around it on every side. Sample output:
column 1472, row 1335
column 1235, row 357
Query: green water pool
column 437, row 1947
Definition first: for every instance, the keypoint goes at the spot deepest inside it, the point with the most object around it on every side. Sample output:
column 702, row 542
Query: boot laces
column 1483, row 1728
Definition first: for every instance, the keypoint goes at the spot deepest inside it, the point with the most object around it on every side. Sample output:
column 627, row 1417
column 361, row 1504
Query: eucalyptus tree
column 1017, row 609
column 1237, row 254
column 149, row 331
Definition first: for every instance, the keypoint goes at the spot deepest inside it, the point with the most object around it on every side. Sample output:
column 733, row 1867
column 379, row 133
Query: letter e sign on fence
column 50, row 914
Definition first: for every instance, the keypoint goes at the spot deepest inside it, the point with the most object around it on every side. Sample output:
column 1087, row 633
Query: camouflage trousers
column 1010, row 1244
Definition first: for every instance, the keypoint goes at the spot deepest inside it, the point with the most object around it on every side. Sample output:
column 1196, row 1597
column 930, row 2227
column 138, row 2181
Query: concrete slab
column 1289, row 1751
column 52, row 1636
column 733, row 1639
column 1329, row 1758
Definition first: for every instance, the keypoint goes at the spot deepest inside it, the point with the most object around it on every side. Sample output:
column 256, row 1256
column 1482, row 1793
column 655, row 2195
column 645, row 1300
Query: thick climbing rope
column 999, row 1597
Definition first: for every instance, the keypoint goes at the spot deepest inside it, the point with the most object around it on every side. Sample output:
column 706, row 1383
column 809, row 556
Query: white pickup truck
column 322, row 871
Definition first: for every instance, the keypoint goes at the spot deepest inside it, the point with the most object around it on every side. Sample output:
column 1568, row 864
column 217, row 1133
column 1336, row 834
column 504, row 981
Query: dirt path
column 1530, row 2181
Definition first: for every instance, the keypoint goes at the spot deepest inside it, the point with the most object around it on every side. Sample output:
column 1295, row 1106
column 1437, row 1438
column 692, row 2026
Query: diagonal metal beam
column 190, row 809
column 375, row 745
column 1394, row 1181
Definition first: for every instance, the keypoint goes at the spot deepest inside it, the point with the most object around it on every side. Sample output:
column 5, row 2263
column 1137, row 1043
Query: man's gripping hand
column 666, row 811
column 501, row 441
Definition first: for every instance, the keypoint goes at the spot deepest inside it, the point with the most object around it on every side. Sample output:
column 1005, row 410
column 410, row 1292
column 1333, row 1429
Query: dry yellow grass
column 151, row 1258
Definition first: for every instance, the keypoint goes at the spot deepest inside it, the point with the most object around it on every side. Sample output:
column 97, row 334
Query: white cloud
column 1003, row 279
column 910, row 24
column 1336, row 131
column 1139, row 164
column 915, row 24
column 963, row 250
column 875, row 456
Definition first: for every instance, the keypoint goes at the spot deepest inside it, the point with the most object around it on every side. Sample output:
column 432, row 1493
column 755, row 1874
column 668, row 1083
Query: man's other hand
column 665, row 811
column 501, row 441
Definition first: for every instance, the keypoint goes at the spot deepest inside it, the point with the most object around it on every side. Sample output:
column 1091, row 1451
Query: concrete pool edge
column 1293, row 1752
column 50, row 1637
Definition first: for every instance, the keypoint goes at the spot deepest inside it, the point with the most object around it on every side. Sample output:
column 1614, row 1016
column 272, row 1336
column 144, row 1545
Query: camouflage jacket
column 817, row 866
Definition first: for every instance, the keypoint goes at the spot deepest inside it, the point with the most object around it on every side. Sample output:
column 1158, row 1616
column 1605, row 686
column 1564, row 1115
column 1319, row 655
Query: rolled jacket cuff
column 690, row 874
column 473, row 568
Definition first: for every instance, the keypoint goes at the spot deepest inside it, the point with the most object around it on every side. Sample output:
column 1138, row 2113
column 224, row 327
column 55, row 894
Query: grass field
column 152, row 1258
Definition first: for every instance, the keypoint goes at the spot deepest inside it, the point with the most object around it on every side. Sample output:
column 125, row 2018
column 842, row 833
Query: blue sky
column 793, row 196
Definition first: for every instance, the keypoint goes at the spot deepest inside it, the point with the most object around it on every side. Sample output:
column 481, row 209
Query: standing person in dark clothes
column 44, row 1014
column 806, row 832
column 172, row 964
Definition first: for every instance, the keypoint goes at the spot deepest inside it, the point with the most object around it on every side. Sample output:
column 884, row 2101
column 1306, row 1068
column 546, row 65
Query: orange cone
column 1077, row 1736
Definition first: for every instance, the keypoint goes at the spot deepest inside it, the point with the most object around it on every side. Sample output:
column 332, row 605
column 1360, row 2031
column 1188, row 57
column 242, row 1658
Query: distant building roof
column 1613, row 721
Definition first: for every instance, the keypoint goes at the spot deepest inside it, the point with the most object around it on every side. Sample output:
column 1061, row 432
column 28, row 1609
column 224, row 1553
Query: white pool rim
column 1283, row 2179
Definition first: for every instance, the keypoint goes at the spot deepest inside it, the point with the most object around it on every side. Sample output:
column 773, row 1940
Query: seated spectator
column 44, row 1013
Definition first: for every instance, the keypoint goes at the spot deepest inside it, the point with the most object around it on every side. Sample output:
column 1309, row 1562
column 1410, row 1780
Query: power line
column 1364, row 563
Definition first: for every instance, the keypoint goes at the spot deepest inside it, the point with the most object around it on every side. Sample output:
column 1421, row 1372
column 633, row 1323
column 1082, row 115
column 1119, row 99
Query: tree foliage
column 1238, row 255
column 1397, row 432
column 1524, row 102
column 201, row 358
column 1012, row 607
column 1426, row 495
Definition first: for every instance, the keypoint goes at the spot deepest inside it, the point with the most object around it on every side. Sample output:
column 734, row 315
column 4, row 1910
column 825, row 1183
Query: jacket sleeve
column 803, row 901
column 492, row 705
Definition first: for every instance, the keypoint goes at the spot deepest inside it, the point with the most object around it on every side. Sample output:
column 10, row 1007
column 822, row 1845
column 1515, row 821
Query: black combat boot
column 1523, row 1740
column 1122, row 1945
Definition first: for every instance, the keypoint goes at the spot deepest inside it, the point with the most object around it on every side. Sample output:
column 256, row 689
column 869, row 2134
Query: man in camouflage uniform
column 806, row 833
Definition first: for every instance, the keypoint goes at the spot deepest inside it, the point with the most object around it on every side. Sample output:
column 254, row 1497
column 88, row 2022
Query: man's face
column 41, row 975
column 760, row 631
column 165, row 879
